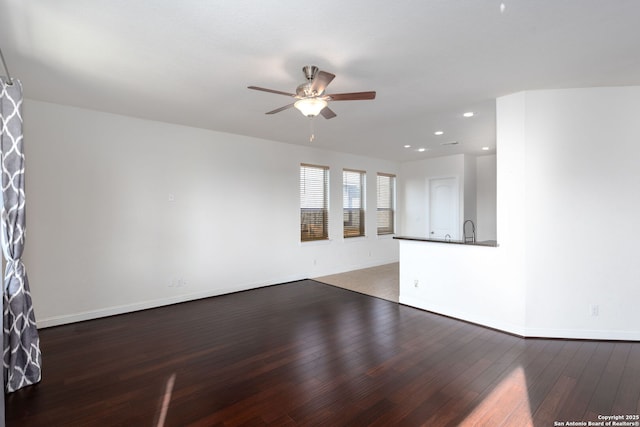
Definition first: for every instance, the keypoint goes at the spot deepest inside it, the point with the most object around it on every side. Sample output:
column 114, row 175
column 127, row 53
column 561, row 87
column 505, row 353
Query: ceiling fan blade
column 327, row 113
column 270, row 90
column 321, row 81
column 277, row 110
column 354, row 96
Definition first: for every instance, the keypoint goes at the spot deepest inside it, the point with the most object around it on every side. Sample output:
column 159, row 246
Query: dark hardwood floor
column 306, row 353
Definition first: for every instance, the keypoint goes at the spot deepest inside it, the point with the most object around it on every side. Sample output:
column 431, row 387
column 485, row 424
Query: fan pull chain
column 312, row 135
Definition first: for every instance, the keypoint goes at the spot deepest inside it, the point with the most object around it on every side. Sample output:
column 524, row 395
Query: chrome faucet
column 447, row 238
column 472, row 238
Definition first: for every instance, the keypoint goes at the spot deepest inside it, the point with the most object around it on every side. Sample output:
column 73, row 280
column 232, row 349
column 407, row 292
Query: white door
column 443, row 208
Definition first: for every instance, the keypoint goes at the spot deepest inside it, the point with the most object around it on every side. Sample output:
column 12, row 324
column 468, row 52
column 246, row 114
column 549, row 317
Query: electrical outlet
column 595, row 310
column 178, row 282
column 416, row 283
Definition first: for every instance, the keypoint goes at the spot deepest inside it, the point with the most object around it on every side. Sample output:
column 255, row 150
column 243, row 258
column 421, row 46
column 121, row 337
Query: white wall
column 582, row 208
column 463, row 281
column 567, row 171
column 475, row 180
column 470, row 193
column 486, row 198
column 103, row 236
column 413, row 191
column 484, row 285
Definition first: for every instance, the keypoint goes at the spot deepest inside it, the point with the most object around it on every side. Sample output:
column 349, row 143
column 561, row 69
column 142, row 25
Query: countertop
column 489, row 243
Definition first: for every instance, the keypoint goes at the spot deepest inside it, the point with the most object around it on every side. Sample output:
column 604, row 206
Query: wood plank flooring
column 306, row 353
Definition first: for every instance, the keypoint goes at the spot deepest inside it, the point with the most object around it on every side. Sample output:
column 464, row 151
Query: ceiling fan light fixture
column 310, row 107
column 310, row 96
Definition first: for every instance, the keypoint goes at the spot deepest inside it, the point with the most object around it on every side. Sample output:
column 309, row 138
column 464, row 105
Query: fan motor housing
column 304, row 90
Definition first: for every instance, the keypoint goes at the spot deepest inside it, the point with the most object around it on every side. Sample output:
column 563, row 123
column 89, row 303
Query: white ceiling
column 189, row 62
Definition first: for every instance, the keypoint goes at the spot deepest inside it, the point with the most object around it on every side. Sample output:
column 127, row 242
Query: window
column 314, row 206
column 386, row 203
column 353, row 202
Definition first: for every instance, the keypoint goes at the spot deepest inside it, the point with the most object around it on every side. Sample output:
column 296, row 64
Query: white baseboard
column 487, row 321
column 520, row 330
column 583, row 334
column 145, row 305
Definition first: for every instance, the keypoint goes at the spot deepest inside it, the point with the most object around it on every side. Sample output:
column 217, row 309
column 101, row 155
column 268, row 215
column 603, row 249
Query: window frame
column 349, row 212
column 309, row 228
column 390, row 223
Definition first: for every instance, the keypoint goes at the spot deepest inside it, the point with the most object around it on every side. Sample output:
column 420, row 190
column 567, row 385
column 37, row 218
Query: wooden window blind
column 314, row 206
column 386, row 203
column 353, row 202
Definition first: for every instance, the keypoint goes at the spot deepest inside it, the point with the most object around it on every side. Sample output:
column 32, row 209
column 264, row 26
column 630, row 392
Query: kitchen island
column 462, row 280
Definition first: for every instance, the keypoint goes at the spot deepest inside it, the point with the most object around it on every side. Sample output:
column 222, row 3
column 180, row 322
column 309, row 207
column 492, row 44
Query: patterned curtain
column 22, row 358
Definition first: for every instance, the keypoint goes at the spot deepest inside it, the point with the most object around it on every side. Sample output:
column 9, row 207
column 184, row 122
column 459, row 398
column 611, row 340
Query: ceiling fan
column 310, row 96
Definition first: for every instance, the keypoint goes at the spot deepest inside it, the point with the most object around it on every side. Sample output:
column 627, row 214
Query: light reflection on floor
column 166, row 399
column 507, row 404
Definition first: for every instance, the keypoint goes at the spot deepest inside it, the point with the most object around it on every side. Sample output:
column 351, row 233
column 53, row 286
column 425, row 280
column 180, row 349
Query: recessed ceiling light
column 468, row 114
column 422, row 149
column 485, row 148
column 407, row 146
column 438, row 132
